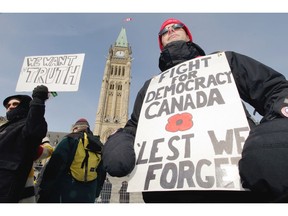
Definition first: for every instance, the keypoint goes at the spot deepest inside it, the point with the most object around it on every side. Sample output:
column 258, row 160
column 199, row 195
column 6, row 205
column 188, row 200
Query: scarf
column 177, row 52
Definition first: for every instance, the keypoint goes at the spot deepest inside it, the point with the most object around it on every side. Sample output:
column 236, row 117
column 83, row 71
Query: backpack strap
column 85, row 161
column 71, row 138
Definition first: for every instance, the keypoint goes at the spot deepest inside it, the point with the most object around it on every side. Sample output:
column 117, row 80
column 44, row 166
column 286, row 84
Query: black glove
column 40, row 92
column 118, row 153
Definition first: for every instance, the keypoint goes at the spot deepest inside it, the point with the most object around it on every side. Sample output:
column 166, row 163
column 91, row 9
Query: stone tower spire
column 112, row 112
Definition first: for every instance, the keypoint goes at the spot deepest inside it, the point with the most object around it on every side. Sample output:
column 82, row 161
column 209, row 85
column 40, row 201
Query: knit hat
column 174, row 21
column 82, row 123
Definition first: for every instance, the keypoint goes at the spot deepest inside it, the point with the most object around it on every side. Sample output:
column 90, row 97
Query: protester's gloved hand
column 118, row 154
column 40, row 92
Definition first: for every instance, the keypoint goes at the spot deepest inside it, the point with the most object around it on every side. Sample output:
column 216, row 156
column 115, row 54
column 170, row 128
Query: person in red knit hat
column 265, row 89
column 173, row 25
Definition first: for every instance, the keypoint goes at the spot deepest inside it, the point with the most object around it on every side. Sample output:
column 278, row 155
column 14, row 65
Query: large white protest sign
column 57, row 72
column 191, row 130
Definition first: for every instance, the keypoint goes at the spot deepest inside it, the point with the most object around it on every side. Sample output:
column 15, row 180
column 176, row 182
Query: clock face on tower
column 120, row 53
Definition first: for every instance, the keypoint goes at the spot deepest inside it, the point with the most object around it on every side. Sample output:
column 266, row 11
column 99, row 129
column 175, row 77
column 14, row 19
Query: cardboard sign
column 191, row 130
column 57, row 72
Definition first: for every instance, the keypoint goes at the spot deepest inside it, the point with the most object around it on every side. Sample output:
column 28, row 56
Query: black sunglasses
column 175, row 27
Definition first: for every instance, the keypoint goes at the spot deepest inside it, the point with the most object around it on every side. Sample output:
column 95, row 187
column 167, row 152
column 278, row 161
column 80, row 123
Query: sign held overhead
column 57, row 72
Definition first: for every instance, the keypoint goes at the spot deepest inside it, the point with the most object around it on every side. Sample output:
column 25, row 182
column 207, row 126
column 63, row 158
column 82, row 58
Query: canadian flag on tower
column 128, row 19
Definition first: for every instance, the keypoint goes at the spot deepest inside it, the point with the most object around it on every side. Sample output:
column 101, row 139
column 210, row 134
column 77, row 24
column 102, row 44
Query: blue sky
column 262, row 36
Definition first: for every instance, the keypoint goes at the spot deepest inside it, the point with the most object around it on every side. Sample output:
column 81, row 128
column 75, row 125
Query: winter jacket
column 58, row 185
column 260, row 86
column 19, row 141
column 263, row 165
column 45, row 150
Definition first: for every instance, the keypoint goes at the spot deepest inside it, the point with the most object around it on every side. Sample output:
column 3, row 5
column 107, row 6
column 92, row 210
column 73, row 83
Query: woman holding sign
column 262, row 87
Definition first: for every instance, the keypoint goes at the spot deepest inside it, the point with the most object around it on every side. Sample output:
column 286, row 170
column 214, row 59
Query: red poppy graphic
column 179, row 122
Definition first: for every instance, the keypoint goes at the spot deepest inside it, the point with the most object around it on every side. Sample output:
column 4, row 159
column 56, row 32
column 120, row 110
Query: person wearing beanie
column 20, row 138
column 80, row 125
column 59, row 184
column 263, row 171
column 173, row 24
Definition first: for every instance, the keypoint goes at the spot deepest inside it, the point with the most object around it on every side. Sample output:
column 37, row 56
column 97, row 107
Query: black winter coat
column 19, row 140
column 259, row 85
column 58, row 185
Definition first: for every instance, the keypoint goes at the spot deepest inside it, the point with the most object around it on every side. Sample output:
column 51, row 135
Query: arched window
column 123, row 71
column 111, row 86
column 119, row 71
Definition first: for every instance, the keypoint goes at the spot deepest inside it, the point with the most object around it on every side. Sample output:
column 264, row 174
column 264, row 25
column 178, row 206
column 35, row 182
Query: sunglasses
column 175, row 27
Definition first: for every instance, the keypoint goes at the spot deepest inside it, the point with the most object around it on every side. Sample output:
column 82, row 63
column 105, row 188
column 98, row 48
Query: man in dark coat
column 259, row 85
column 58, row 184
column 20, row 137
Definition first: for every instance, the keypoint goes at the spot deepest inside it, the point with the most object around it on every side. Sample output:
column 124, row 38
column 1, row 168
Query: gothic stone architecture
column 113, row 102
column 112, row 112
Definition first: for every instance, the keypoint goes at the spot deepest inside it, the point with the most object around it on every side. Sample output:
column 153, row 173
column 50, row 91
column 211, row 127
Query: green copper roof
column 122, row 39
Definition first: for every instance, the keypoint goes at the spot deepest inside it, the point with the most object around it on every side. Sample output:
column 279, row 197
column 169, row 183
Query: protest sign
column 191, row 130
column 57, row 72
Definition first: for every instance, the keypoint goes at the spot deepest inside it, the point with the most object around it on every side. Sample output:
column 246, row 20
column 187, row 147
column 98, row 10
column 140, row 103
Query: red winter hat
column 174, row 21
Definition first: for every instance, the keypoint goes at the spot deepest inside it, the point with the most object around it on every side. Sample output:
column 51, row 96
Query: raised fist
column 40, row 92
